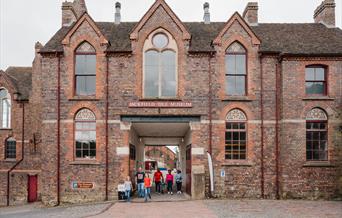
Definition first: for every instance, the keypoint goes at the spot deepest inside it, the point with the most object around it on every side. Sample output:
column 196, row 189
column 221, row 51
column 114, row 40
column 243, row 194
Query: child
column 179, row 180
column 147, row 184
column 169, row 182
column 128, row 188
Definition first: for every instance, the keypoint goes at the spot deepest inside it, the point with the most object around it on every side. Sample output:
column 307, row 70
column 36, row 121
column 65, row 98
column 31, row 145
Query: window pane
column 242, row 135
column 168, row 74
column 151, row 88
column 81, row 85
column 240, row 64
column 228, row 136
column 160, row 40
column 90, row 85
column 230, row 85
column 230, row 64
column 85, row 64
column 320, row 74
column 314, row 87
column 309, row 155
column 240, row 85
column 310, row 73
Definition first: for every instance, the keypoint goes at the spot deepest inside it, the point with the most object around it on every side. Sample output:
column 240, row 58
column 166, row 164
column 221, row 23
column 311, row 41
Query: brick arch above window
column 85, row 114
column 236, row 115
column 249, row 113
column 85, row 47
column 82, row 105
column 316, row 114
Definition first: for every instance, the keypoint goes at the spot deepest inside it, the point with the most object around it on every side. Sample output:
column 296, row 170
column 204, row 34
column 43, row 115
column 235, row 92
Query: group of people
column 144, row 183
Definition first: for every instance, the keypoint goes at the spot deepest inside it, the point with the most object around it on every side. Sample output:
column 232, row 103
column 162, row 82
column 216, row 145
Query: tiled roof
column 22, row 80
column 301, row 39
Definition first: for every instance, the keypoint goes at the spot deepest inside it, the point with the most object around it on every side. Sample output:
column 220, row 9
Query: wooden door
column 32, row 188
column 188, row 169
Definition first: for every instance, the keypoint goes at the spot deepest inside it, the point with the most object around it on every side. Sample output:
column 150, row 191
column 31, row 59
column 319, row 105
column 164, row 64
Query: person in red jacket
column 158, row 178
column 169, row 182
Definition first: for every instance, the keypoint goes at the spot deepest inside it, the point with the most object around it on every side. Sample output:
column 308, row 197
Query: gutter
column 22, row 155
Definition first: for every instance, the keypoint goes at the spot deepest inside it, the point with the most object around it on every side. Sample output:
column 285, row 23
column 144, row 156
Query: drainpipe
column 107, row 106
column 210, row 163
column 262, row 128
column 22, row 154
column 58, row 126
column 278, row 96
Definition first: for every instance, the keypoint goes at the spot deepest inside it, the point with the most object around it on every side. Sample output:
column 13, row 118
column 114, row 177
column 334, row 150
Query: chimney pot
column 206, row 17
column 250, row 14
column 325, row 13
column 117, row 19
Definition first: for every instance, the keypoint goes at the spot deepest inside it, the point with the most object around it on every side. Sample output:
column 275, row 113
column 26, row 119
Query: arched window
column 5, row 109
column 85, row 134
column 315, row 80
column 85, row 69
column 236, row 135
column 10, row 148
column 160, row 70
column 316, row 135
column 236, row 69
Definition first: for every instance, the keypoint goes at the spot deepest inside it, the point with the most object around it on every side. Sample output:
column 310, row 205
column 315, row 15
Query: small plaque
column 223, row 173
column 82, row 185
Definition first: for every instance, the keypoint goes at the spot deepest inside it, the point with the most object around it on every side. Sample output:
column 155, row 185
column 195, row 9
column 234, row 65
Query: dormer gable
column 236, row 17
column 159, row 3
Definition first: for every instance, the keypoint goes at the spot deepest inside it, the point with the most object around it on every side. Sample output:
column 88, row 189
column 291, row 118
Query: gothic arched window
column 236, row 135
column 85, row 134
column 85, row 69
column 5, row 109
column 160, row 66
column 236, row 69
column 316, row 135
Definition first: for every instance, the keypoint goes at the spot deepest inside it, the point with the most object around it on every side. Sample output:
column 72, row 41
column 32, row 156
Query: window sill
column 238, row 98
column 10, row 160
column 5, row 129
column 243, row 163
column 318, row 98
column 84, row 98
column 318, row 164
column 85, row 162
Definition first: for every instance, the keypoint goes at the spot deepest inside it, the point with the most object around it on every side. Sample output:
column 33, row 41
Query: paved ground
column 187, row 209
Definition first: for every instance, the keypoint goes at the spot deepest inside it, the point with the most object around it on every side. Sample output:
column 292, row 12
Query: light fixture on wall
column 140, row 139
column 182, row 139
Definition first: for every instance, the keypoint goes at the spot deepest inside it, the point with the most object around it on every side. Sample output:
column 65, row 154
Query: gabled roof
column 21, row 77
column 236, row 17
column 297, row 39
column 151, row 11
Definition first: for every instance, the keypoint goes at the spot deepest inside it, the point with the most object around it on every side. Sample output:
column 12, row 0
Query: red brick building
column 262, row 100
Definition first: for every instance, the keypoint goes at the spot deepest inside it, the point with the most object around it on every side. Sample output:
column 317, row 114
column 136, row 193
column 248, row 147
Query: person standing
column 158, row 178
column 128, row 188
column 169, row 181
column 147, row 183
column 140, row 176
column 179, row 180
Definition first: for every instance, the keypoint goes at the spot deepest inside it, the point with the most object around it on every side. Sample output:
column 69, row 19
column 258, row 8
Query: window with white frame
column 160, row 66
column 85, row 134
column 5, row 109
column 10, row 148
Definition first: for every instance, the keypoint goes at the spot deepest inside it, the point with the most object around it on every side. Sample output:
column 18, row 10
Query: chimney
column 325, row 13
column 206, row 17
column 37, row 47
column 251, row 13
column 68, row 14
column 79, row 7
column 117, row 13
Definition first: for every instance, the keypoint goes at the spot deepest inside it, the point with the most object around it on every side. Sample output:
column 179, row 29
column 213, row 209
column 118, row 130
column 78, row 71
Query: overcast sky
column 24, row 22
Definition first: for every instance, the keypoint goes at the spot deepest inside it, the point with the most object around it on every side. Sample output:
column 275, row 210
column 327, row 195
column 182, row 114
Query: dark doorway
column 188, row 169
column 32, row 188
